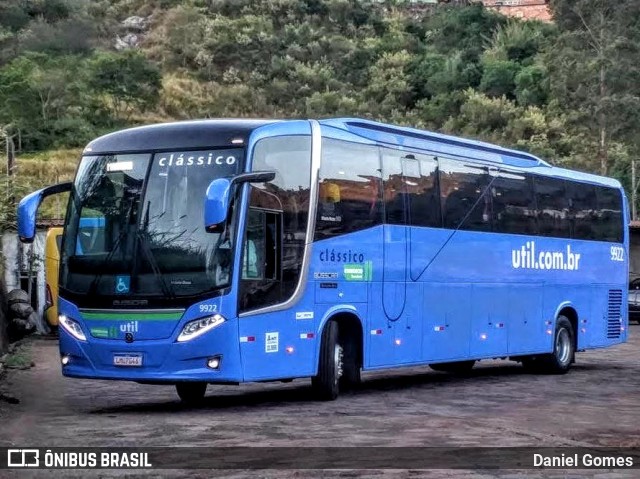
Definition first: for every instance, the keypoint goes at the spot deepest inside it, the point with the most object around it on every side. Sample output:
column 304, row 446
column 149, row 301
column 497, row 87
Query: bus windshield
column 135, row 226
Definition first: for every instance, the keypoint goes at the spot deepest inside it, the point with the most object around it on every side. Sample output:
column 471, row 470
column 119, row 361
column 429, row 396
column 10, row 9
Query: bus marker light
column 237, row 141
column 483, row 336
column 247, row 339
column 549, row 331
column 621, row 328
column 583, row 330
column 499, row 325
column 306, row 336
column 289, row 349
column 376, row 332
column 398, row 342
column 65, row 359
column 439, row 328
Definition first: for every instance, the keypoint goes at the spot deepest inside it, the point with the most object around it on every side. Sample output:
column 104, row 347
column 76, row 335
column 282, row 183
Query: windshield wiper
column 116, row 244
column 167, row 289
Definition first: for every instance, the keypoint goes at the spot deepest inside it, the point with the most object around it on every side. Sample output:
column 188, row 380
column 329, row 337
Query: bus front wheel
column 326, row 383
column 191, row 393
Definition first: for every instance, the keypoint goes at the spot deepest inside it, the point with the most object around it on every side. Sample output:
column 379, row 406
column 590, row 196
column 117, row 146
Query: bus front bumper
column 162, row 361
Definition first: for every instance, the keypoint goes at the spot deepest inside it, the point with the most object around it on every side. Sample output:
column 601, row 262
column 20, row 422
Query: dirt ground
column 498, row 404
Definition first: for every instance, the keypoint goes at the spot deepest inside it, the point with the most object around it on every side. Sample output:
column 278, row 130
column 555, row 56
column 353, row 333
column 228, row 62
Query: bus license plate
column 127, row 360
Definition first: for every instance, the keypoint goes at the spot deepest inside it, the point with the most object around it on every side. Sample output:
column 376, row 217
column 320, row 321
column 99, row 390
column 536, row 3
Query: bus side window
column 261, row 252
column 465, row 204
column 285, row 203
column 583, row 210
column 411, row 189
column 396, row 202
column 425, row 204
column 350, row 189
column 609, row 215
column 553, row 207
column 514, row 209
column 261, row 283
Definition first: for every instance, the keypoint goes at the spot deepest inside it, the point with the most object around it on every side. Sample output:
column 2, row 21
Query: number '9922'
column 617, row 253
column 208, row 308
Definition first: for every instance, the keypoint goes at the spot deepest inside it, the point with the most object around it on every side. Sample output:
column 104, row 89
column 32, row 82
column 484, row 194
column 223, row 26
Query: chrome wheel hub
column 338, row 353
column 563, row 346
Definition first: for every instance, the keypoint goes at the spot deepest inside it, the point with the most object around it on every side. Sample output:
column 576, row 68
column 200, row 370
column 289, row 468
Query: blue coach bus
column 235, row 251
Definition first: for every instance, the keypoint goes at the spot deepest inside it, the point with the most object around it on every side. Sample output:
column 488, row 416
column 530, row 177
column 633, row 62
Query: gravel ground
column 497, row 404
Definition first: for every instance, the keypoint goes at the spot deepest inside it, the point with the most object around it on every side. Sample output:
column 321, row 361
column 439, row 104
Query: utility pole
column 11, row 164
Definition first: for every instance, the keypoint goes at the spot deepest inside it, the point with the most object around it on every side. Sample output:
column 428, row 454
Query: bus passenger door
column 395, row 237
column 401, row 297
column 275, row 342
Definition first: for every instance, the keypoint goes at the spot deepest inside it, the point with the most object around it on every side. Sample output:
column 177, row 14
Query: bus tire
column 457, row 367
column 191, row 392
column 326, row 383
column 564, row 349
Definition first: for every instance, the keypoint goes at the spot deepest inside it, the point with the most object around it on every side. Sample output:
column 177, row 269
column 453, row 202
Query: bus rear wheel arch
column 340, row 359
column 564, row 349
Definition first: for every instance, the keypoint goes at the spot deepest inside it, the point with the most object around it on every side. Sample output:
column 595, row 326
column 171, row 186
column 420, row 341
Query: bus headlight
column 195, row 328
column 72, row 327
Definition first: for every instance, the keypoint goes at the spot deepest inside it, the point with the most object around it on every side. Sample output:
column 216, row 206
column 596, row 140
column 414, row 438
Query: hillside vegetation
column 73, row 69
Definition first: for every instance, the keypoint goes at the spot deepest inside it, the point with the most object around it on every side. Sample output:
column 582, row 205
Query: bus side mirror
column 218, row 200
column 28, row 209
column 216, row 204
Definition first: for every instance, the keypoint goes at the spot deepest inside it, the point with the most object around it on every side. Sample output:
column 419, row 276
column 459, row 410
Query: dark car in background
column 634, row 300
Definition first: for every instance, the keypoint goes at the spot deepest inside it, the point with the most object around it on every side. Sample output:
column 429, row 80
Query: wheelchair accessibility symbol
column 122, row 284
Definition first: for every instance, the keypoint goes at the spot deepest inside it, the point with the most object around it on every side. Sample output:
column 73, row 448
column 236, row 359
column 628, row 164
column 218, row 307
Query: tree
column 127, row 81
column 38, row 92
column 499, row 78
column 594, row 69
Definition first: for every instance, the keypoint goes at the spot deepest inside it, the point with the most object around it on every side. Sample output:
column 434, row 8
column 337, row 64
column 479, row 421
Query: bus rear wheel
column 457, row 367
column 191, row 392
column 564, row 349
column 326, row 384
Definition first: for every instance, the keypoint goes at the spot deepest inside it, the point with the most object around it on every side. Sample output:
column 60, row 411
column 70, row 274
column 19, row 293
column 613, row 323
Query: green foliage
column 593, row 69
column 127, row 81
column 551, row 89
column 39, row 93
column 499, row 78
column 532, row 86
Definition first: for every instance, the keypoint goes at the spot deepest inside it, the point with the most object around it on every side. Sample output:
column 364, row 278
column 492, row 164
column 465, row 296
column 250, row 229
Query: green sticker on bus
column 358, row 271
column 110, row 332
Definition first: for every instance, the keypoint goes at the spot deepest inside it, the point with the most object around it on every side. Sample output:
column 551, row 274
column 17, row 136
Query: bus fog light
column 65, row 359
column 214, row 362
column 197, row 327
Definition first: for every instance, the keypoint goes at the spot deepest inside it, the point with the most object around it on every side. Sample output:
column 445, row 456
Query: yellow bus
column 51, row 268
